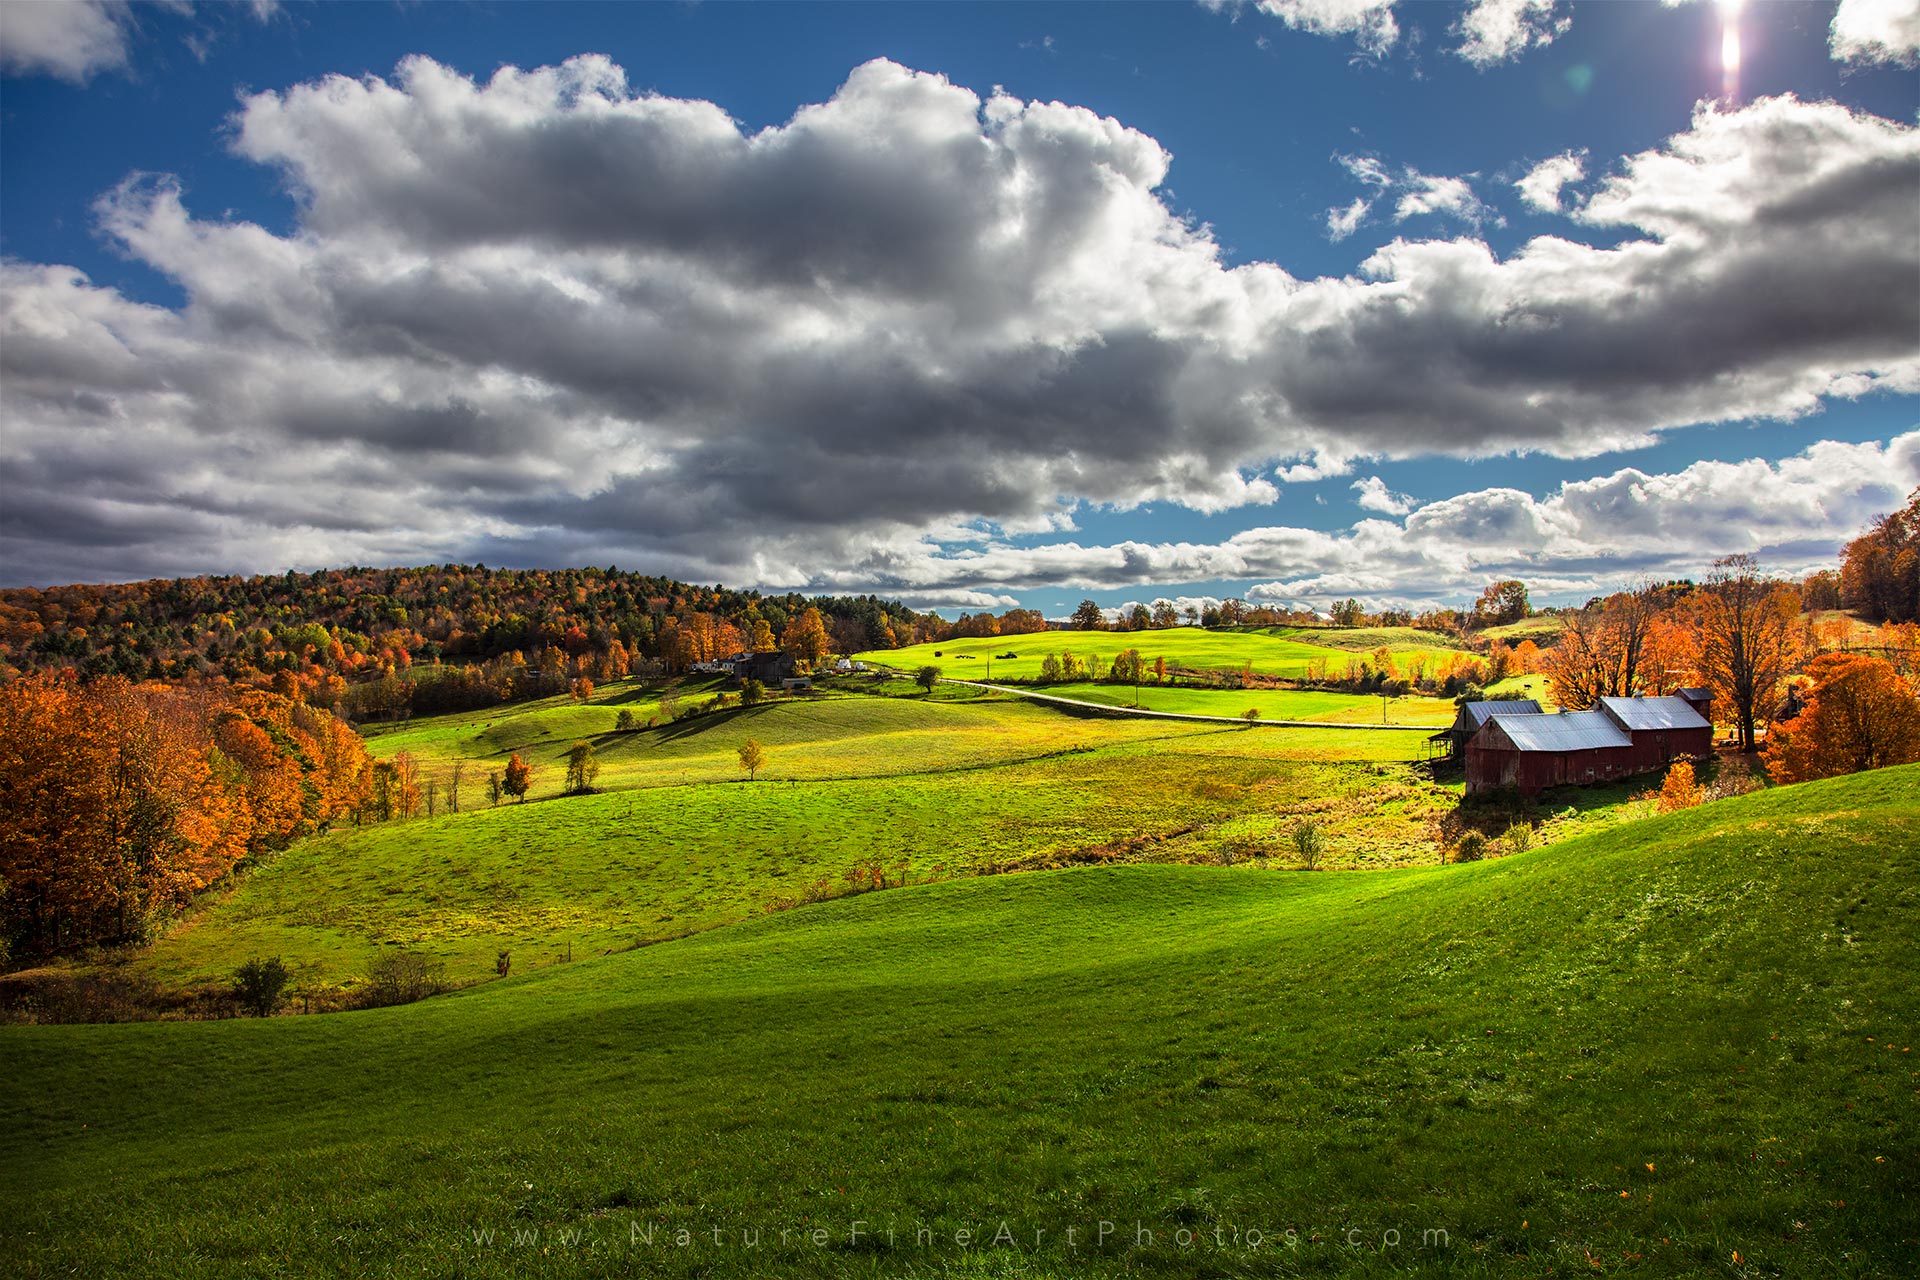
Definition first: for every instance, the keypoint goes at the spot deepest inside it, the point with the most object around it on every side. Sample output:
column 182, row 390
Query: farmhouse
column 770, row 668
column 1618, row 738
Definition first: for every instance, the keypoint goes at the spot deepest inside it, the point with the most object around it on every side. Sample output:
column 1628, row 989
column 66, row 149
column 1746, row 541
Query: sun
column 1730, row 46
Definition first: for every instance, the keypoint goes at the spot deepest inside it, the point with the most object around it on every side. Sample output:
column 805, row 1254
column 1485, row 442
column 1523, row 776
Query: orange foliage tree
column 1861, row 715
column 118, row 801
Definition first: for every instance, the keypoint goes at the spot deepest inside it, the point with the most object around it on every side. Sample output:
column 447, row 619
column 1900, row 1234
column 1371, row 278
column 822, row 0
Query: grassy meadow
column 1287, row 652
column 1272, row 704
column 679, row 840
column 1682, row 1047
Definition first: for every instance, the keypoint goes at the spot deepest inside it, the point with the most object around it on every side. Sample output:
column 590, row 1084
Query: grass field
column 1273, row 704
column 1681, row 1047
column 685, row 842
column 1273, row 651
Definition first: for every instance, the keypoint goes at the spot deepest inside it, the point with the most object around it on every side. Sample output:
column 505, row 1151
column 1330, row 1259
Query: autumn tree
column 1087, row 617
column 1347, row 613
column 1165, row 614
column 1880, row 569
column 1860, row 714
column 806, row 637
column 1601, row 649
column 1745, row 639
column 1050, row 669
column 762, row 641
column 1501, row 603
column 1127, row 667
column 753, row 757
column 582, row 690
column 582, row 768
column 519, row 778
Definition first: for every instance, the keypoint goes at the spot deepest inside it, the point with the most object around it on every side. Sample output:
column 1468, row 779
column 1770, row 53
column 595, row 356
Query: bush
column 260, row 986
column 1309, row 843
column 401, row 977
column 625, row 721
column 1517, row 838
column 1471, row 847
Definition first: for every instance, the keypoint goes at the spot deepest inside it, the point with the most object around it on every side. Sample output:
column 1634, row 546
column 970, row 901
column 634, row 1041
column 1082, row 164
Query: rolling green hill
column 685, row 842
column 1273, row 651
column 1678, row 1047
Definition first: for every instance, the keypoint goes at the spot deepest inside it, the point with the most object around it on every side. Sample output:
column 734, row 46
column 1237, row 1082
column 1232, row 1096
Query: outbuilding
column 1618, row 738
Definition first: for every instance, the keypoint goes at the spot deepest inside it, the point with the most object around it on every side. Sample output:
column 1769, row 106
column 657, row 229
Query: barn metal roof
column 1653, row 713
column 1696, row 694
column 1477, row 713
column 1568, row 731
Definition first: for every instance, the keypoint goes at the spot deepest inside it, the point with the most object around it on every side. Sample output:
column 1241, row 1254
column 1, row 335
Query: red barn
column 1617, row 739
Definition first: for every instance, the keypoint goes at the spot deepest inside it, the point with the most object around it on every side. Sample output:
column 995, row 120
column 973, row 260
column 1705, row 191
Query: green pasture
column 687, row 842
column 1679, row 1047
column 1272, row 704
column 1270, row 651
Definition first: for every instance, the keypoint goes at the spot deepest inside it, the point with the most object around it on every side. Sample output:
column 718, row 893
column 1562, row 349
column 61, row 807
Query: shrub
column 1679, row 791
column 401, row 977
column 625, row 721
column 1250, row 714
column 1471, row 847
column 1309, row 843
column 1517, row 838
column 260, row 986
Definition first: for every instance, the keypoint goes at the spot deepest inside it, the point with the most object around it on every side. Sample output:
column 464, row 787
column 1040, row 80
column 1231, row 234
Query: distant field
column 1683, row 1047
column 1273, row 651
column 1273, row 704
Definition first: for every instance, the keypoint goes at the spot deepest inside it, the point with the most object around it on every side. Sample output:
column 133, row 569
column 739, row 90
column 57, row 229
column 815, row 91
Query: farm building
column 1617, row 739
column 1474, row 714
column 769, row 668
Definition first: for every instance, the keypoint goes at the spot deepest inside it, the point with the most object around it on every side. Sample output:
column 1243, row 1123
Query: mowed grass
column 1681, row 1048
column 1273, row 651
column 688, row 843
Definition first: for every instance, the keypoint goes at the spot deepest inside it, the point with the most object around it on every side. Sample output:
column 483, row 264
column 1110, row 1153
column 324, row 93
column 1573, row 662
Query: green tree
column 753, row 757
column 1088, row 616
column 752, row 692
column 260, row 985
column 1050, row 669
column 927, row 677
column 582, row 768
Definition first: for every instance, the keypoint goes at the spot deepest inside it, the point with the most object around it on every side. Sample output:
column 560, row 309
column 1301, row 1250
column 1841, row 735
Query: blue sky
column 1260, row 309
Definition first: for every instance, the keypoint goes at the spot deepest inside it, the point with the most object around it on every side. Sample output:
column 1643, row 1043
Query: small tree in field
column 1679, row 791
column 582, row 768
column 495, row 788
column 260, row 985
column 1308, row 842
column 753, row 757
column 519, row 779
column 1250, row 714
column 624, row 722
column 751, row 692
column 926, row 678
column 582, row 689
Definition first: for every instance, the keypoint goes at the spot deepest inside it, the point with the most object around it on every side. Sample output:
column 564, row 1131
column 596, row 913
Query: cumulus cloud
column 1876, row 31
column 543, row 319
column 1584, row 537
column 1540, row 189
column 1493, row 31
column 71, row 39
column 1375, row 496
column 1369, row 22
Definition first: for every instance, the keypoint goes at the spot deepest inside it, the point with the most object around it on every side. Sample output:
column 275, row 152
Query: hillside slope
column 1679, row 1047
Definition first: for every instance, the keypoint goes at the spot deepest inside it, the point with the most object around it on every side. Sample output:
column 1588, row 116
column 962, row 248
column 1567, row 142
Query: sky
column 970, row 306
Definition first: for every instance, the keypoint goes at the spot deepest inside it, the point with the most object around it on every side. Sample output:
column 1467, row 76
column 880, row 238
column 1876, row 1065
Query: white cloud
column 1423, row 194
column 1366, row 169
column 1375, row 496
column 1876, row 31
column 70, row 39
column 1540, row 189
column 1369, row 22
column 1342, row 223
column 540, row 319
column 1493, row 31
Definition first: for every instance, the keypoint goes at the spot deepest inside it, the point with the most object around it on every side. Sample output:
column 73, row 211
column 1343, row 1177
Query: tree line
column 119, row 801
